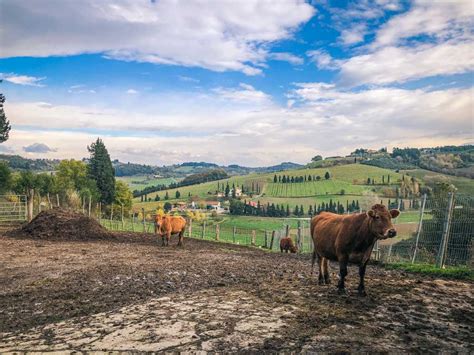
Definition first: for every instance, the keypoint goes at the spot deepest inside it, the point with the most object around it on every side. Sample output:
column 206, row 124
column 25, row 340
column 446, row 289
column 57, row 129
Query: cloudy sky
column 248, row 82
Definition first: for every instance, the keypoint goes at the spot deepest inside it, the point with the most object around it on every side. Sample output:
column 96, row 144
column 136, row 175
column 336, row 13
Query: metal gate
column 13, row 211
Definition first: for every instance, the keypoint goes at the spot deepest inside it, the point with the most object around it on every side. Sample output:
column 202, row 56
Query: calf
column 349, row 239
column 287, row 244
column 168, row 225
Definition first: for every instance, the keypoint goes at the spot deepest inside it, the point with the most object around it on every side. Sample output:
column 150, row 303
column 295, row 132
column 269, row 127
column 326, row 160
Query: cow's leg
column 313, row 259
column 181, row 237
column 163, row 240
column 281, row 249
column 361, row 288
column 168, row 238
column 342, row 274
column 320, row 275
column 327, row 280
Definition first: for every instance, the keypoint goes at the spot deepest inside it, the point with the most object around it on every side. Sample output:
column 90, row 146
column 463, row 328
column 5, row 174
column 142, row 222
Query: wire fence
column 440, row 231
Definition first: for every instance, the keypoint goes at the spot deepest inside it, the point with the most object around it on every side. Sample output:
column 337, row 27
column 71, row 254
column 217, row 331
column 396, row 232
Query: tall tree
column 327, row 175
column 4, row 123
column 5, row 177
column 177, row 194
column 101, row 170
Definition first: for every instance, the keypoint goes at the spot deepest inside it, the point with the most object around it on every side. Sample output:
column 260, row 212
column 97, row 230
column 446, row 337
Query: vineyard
column 313, row 188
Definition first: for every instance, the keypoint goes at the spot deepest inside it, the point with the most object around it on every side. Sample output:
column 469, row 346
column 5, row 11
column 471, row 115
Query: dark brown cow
column 349, row 239
column 168, row 225
column 287, row 244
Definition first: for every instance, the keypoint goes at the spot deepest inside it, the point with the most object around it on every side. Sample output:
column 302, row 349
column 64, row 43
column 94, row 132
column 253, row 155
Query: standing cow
column 349, row 239
column 168, row 225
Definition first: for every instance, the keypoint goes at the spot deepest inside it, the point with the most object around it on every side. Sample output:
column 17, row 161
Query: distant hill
column 17, row 162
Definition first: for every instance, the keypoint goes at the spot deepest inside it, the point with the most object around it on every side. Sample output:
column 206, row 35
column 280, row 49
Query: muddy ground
column 132, row 294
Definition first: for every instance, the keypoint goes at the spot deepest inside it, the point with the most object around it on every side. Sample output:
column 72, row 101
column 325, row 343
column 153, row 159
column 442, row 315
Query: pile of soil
column 64, row 225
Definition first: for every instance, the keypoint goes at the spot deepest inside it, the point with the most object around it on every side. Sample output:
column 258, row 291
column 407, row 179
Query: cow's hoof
column 342, row 291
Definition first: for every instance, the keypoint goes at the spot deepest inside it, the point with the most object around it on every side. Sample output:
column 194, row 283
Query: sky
column 250, row 82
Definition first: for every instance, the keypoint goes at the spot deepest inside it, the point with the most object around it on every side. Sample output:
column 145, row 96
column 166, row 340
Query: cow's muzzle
column 392, row 233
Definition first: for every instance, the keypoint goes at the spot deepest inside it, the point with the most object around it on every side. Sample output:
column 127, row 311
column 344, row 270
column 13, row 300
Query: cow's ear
column 394, row 213
column 371, row 213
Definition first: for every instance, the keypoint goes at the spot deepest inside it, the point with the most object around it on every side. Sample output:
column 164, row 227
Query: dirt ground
column 132, row 294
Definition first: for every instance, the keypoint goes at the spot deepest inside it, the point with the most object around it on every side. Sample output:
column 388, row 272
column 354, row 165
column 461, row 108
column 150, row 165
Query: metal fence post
column 418, row 232
column 444, row 239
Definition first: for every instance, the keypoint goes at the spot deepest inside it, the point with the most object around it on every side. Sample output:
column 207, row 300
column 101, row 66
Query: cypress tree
column 296, row 212
column 4, row 123
column 327, row 175
column 100, row 170
column 227, row 190
column 178, row 194
column 275, row 179
column 287, row 210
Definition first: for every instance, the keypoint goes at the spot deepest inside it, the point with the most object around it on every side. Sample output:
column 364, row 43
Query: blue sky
column 248, row 82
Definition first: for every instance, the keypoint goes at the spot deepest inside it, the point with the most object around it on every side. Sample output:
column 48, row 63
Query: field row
column 313, row 188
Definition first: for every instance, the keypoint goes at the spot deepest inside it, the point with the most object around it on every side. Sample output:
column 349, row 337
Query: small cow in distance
column 165, row 226
column 287, row 244
column 349, row 239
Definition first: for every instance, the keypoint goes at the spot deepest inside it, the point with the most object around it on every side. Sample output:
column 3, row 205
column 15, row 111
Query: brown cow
column 349, row 239
column 168, row 225
column 287, row 244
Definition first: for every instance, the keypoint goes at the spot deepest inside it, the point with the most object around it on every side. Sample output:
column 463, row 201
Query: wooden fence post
column 234, row 232
column 133, row 221
column 123, row 225
column 217, row 232
column 266, row 239
column 143, row 220
column 57, row 200
column 253, row 237
column 190, row 230
column 287, row 233
column 203, row 231
column 418, row 232
column 111, row 214
column 271, row 240
column 90, row 206
column 298, row 237
column 445, row 238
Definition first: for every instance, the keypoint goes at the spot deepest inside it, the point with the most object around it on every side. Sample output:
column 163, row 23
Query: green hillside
column 350, row 178
column 313, row 188
column 463, row 185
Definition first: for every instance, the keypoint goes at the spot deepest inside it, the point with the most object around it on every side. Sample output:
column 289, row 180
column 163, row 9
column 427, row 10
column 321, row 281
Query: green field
column 139, row 182
column 464, row 185
column 348, row 177
column 313, row 188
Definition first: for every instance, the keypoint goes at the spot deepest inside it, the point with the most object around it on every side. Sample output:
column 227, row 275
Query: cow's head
column 381, row 221
column 158, row 221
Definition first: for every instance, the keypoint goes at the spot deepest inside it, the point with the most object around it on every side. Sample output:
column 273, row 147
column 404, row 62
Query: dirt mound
column 65, row 225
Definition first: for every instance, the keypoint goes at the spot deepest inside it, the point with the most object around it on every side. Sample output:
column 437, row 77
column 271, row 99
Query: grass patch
column 453, row 272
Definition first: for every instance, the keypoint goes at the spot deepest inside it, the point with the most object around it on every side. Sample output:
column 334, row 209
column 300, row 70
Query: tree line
column 285, row 179
column 239, row 207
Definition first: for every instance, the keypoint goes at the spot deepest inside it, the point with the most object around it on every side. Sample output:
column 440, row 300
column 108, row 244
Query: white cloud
column 287, row 57
column 319, row 117
column 132, row 92
column 353, row 35
column 439, row 19
column 22, row 79
column 401, row 64
column 244, row 94
column 323, row 60
column 218, row 36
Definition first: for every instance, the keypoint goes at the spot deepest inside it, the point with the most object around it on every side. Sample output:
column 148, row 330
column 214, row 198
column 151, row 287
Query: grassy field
column 459, row 272
column 139, row 182
column 464, row 185
column 313, row 188
column 345, row 176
